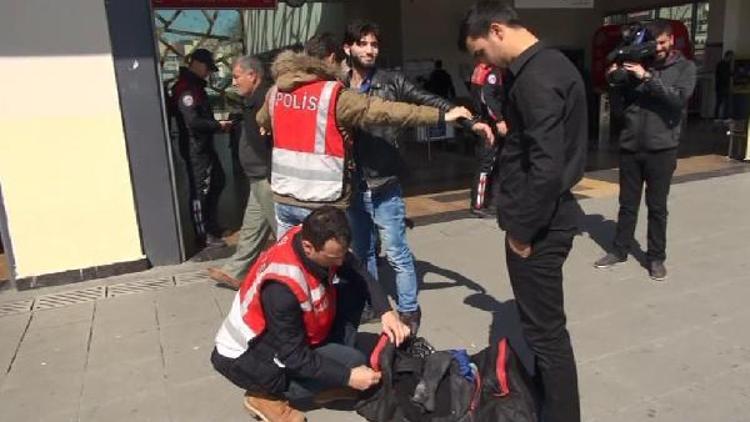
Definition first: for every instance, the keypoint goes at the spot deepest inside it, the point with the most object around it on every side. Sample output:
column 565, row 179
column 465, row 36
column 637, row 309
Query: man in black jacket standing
column 379, row 202
column 655, row 105
column 259, row 221
column 543, row 157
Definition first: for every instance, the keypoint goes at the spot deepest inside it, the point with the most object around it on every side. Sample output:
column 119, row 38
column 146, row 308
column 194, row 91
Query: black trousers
column 537, row 287
column 654, row 169
column 208, row 180
column 723, row 101
column 482, row 189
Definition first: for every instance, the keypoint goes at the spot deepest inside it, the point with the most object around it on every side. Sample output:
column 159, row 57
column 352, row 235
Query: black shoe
column 412, row 320
column 482, row 212
column 657, row 270
column 609, row 260
column 215, row 241
column 368, row 315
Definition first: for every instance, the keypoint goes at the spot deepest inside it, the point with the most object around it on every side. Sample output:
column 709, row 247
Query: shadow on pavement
column 602, row 231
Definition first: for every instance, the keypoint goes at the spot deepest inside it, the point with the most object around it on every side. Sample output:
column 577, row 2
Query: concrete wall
column 613, row 6
column 271, row 29
column 736, row 37
column 63, row 164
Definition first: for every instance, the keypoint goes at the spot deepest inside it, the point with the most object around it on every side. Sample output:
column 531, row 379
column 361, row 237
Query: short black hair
column 477, row 21
column 660, row 27
column 358, row 29
column 322, row 45
column 324, row 224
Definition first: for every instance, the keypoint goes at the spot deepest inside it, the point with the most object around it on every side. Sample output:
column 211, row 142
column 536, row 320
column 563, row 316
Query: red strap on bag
column 375, row 355
column 502, row 375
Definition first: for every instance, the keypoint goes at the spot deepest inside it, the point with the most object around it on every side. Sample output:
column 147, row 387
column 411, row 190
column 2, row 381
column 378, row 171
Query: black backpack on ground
column 419, row 384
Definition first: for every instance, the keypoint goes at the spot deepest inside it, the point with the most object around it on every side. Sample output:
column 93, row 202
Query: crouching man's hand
column 362, row 377
column 396, row 330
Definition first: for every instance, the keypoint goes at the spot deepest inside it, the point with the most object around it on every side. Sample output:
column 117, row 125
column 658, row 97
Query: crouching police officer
column 291, row 331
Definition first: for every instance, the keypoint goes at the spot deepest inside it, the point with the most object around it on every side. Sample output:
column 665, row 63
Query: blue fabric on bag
column 464, row 364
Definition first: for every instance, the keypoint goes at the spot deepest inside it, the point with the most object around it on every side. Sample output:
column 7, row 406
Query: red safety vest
column 279, row 263
column 308, row 148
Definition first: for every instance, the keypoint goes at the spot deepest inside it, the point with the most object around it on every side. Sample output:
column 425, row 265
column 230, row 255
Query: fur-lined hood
column 290, row 70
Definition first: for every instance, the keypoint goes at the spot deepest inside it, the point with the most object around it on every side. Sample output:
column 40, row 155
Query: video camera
column 638, row 45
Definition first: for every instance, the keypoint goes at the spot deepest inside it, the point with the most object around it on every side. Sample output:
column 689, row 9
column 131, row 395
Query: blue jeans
column 385, row 211
column 288, row 216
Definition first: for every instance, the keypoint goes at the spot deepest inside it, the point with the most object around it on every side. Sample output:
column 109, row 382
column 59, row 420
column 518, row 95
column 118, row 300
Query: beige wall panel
column 63, row 161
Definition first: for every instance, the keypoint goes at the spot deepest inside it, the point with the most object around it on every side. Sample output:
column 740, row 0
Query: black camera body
column 638, row 45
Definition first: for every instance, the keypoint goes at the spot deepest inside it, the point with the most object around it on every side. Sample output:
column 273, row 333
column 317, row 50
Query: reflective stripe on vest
column 308, row 152
column 246, row 319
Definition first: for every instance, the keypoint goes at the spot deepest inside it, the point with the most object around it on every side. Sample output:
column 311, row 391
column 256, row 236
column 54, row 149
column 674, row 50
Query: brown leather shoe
column 271, row 409
column 223, row 278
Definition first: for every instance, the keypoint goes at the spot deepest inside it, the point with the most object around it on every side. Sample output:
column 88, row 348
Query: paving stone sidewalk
column 135, row 348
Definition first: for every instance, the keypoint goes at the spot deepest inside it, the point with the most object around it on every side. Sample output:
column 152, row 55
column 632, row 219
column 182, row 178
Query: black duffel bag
column 420, row 384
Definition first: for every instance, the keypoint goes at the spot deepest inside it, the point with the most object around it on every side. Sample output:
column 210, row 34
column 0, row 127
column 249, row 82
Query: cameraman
column 654, row 104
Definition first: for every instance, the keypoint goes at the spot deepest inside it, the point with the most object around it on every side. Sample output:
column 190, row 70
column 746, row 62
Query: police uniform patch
column 492, row 79
column 188, row 100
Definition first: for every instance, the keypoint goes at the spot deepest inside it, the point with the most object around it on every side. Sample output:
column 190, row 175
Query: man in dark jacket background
column 440, row 82
column 196, row 125
column 655, row 106
column 379, row 202
column 723, row 83
column 259, row 221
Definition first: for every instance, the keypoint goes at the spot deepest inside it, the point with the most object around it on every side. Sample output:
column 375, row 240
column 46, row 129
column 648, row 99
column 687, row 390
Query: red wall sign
column 214, row 4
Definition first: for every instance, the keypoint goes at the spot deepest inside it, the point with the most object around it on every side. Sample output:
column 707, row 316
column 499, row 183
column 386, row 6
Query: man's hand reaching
column 457, row 113
column 396, row 330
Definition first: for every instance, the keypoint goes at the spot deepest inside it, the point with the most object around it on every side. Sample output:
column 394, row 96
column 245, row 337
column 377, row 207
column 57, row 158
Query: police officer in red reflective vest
column 290, row 334
column 197, row 126
column 312, row 116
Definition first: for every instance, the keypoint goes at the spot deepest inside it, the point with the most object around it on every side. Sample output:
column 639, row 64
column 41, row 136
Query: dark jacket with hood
column 376, row 149
column 654, row 109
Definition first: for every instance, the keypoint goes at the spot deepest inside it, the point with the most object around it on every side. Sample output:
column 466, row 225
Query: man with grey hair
column 259, row 222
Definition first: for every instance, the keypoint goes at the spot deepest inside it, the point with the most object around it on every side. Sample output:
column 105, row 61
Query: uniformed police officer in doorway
column 197, row 126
